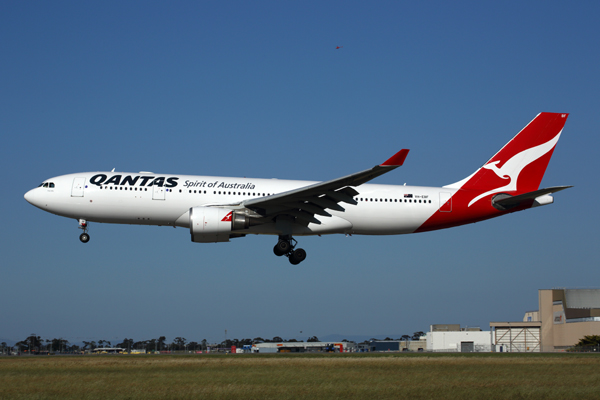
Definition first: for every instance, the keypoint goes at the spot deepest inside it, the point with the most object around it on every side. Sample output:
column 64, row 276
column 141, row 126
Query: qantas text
column 144, row 180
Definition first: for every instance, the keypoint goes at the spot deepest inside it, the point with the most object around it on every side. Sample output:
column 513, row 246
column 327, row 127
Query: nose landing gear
column 285, row 247
column 84, row 237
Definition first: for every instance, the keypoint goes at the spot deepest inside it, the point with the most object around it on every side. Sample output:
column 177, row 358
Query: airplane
column 217, row 209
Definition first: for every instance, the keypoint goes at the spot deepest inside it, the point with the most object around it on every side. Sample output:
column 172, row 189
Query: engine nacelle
column 214, row 224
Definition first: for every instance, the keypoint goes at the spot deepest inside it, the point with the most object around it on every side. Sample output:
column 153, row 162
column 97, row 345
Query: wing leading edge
column 306, row 202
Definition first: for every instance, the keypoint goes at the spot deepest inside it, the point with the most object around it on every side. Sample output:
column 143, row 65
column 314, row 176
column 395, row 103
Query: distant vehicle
column 217, row 209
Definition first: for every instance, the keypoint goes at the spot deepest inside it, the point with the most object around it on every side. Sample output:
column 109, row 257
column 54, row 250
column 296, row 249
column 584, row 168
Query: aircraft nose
column 31, row 197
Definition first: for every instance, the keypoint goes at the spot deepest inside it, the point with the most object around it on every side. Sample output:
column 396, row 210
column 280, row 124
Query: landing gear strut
column 84, row 237
column 285, row 247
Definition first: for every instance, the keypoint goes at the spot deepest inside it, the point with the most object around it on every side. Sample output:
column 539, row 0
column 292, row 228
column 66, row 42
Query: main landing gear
column 84, row 237
column 285, row 247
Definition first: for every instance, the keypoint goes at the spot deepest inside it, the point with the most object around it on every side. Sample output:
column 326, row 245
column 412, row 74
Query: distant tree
column 277, row 339
column 417, row 335
column 388, row 338
column 161, row 343
column 74, row 348
column 257, row 340
column 589, row 340
column 193, row 346
column 405, row 337
column 179, row 343
column 31, row 344
column 89, row 345
column 35, row 342
column 104, row 343
column 313, row 339
column 59, row 345
column 141, row 345
column 151, row 345
column 22, row 346
column 204, row 343
column 125, row 344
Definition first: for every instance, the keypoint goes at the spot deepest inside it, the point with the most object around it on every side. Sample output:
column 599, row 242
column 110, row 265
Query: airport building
column 397, row 345
column 453, row 338
column 564, row 317
column 303, row 347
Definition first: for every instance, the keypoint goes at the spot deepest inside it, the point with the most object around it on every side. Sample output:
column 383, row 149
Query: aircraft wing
column 305, row 202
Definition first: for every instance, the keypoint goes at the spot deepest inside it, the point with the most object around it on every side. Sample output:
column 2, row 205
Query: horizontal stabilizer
column 502, row 202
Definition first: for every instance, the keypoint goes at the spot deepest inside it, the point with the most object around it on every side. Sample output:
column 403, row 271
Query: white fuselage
column 380, row 209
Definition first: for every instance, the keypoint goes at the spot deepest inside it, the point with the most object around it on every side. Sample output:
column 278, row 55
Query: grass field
column 296, row 376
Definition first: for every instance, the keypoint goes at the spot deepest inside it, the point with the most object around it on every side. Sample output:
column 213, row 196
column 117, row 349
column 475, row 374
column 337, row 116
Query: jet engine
column 214, row 224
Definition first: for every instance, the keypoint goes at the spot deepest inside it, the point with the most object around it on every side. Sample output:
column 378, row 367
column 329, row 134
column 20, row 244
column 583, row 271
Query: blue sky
column 259, row 89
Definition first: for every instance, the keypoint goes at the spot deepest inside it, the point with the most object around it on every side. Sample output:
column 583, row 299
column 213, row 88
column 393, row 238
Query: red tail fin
column 520, row 165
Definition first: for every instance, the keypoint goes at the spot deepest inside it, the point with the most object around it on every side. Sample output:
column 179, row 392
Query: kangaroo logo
column 513, row 167
column 227, row 218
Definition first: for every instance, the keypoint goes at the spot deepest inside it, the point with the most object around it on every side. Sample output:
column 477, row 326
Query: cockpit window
column 51, row 184
column 47, row 184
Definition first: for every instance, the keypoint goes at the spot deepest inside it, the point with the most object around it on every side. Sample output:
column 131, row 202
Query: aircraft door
column 77, row 188
column 158, row 193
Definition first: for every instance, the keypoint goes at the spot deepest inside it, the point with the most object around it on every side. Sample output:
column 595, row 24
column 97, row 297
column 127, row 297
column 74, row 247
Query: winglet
column 397, row 159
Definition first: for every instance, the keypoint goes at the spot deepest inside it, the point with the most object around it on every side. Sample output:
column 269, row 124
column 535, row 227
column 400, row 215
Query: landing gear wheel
column 297, row 256
column 286, row 246
column 281, row 248
column 84, row 237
